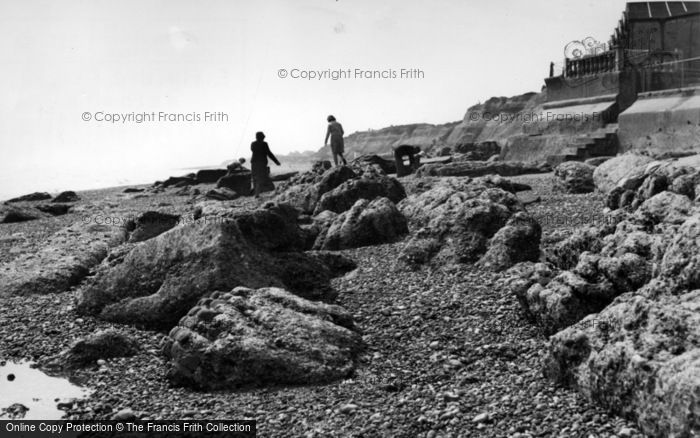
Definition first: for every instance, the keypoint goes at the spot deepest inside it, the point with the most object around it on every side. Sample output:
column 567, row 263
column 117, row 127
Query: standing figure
column 258, row 165
column 335, row 132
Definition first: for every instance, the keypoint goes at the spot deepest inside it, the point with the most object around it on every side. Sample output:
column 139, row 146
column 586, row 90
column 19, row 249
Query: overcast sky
column 61, row 59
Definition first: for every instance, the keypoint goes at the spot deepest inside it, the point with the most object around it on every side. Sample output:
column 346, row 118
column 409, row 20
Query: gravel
column 448, row 355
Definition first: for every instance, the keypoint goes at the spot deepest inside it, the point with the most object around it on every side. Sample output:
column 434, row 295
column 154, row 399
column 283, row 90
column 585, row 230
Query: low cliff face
column 482, row 122
column 381, row 141
column 496, row 119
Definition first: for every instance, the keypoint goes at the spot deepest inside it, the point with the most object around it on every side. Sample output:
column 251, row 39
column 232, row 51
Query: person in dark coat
column 335, row 132
column 258, row 164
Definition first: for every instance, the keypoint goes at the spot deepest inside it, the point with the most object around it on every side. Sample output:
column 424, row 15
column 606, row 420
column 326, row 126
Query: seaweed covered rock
column 260, row 337
column 366, row 223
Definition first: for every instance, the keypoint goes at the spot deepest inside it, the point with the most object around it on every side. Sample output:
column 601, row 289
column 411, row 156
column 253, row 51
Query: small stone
column 625, row 432
column 348, row 408
column 10, row 377
column 101, row 362
column 484, row 417
column 434, row 344
column 450, row 396
column 124, row 414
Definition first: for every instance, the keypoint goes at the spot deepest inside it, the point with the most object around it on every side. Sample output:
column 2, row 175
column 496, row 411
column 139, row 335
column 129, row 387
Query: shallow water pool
column 20, row 383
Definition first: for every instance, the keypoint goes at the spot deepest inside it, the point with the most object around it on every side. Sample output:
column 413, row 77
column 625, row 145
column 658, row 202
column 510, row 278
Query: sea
column 16, row 181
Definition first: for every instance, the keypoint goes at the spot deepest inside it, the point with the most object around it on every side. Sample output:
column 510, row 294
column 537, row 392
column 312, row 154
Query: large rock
column 343, row 197
column 36, row 196
column 607, row 175
column 15, row 213
column 256, row 337
column 518, row 241
column 151, row 224
column 209, row 176
column 574, row 177
column 64, row 259
column 67, row 196
column 304, row 191
column 366, row 223
column 640, row 358
column 661, row 240
column 239, row 182
column 159, row 280
column 455, row 220
column 273, row 227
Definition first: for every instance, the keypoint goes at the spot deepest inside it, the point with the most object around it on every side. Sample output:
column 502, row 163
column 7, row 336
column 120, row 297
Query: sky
column 67, row 66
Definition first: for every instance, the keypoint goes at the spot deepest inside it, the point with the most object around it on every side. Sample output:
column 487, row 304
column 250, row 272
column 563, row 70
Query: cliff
column 482, row 122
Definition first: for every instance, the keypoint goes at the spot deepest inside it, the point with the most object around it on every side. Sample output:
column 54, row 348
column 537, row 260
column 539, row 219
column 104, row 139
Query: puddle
column 20, row 383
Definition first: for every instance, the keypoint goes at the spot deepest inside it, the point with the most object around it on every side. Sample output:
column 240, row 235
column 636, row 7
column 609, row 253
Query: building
column 643, row 84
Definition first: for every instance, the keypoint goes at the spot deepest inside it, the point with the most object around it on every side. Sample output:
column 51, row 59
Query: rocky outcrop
column 55, row 209
column 517, row 241
column 158, row 281
column 15, row 213
column 640, row 358
column 68, row 196
column 457, row 219
column 481, row 168
column 151, row 224
column 259, row 337
column 611, row 172
column 369, row 186
column 36, row 196
column 574, row 177
column 209, row 176
column 239, row 182
column 64, row 260
column 366, row 223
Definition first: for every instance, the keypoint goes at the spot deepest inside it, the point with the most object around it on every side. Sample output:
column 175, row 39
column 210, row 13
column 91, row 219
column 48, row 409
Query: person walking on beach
column 258, row 165
column 335, row 132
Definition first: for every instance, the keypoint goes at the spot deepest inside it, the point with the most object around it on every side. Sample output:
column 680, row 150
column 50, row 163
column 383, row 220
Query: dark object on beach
column 36, row 196
column 55, row 209
column 150, row 224
column 258, row 163
column 15, row 214
column 209, row 176
column 179, row 181
column 68, row 196
column 133, row 190
column 236, row 180
column 403, row 152
column 15, row 411
column 10, row 377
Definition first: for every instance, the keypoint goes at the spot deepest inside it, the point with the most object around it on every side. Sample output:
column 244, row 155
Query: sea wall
column 662, row 122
